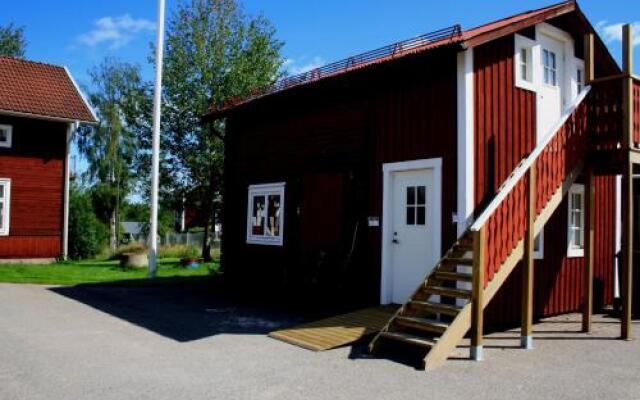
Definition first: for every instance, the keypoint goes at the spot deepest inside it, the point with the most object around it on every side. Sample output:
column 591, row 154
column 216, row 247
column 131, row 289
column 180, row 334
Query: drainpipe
column 67, row 181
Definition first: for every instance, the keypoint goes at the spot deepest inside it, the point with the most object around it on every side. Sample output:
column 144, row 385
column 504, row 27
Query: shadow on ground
column 184, row 310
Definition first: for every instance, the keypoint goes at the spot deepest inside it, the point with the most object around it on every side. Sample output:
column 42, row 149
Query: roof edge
column 43, row 117
column 82, row 95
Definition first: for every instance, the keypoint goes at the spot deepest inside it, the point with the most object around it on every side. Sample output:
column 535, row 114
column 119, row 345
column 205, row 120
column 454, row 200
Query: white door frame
column 388, row 169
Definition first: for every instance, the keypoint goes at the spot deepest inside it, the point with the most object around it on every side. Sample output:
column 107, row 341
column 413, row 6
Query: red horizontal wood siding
column 35, row 165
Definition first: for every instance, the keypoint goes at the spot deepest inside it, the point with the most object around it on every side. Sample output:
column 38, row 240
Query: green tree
column 120, row 98
column 12, row 42
column 87, row 235
column 214, row 52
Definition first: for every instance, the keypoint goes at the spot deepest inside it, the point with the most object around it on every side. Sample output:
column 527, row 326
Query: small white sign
column 373, row 221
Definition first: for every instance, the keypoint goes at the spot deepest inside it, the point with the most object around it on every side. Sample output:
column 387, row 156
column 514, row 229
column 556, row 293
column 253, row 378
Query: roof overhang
column 19, row 114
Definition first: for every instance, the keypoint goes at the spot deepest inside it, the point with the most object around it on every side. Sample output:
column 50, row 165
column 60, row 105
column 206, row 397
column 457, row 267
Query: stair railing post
column 526, row 339
column 587, row 306
column 477, row 294
column 627, row 185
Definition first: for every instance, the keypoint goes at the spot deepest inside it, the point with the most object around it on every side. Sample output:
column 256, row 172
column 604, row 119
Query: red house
column 478, row 176
column 40, row 107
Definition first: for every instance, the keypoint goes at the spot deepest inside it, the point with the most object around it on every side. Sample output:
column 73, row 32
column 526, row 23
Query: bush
column 87, row 235
column 130, row 248
column 178, row 251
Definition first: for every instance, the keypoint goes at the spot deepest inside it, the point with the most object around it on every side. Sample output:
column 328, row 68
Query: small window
column 6, row 132
column 5, row 199
column 575, row 232
column 549, row 66
column 580, row 79
column 265, row 214
column 538, row 246
column 416, row 208
column 523, row 62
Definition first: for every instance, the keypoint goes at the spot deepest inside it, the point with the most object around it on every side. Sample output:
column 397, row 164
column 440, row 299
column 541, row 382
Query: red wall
column 505, row 134
column 35, row 165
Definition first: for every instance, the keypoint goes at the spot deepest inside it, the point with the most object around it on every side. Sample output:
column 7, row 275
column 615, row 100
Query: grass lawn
column 100, row 271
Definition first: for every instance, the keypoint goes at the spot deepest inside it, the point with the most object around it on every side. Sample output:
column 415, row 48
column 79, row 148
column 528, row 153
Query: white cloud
column 295, row 67
column 613, row 32
column 115, row 31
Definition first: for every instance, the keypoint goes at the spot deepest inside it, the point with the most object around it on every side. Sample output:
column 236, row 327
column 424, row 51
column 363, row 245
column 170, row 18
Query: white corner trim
column 265, row 189
column 466, row 154
column 386, row 275
column 579, row 189
column 6, row 182
column 9, row 141
column 81, row 93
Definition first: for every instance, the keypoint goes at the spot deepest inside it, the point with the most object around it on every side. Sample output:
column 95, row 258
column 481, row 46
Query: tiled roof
column 42, row 90
column 465, row 38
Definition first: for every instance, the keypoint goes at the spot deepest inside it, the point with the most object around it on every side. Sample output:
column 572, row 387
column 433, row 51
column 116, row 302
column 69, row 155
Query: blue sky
column 79, row 33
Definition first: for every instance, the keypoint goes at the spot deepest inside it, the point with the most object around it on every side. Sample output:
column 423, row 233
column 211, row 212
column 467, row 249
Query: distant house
column 433, row 172
column 40, row 107
column 132, row 231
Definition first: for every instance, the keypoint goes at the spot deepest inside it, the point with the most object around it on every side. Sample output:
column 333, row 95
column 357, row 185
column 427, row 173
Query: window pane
column 1, row 192
column 4, row 135
column 273, row 216
column 422, row 194
column 421, row 216
column 258, row 215
column 411, row 195
column 546, row 75
column 2, row 215
column 411, row 215
column 536, row 243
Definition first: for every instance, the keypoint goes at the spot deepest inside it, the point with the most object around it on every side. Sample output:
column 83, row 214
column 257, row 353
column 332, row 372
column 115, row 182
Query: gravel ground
column 157, row 343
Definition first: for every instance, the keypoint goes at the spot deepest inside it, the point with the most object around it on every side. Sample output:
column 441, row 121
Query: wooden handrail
column 524, row 166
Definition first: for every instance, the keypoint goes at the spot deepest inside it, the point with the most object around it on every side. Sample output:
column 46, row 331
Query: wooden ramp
column 336, row 331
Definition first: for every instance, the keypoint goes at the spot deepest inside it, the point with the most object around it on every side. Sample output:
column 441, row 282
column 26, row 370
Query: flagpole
column 155, row 159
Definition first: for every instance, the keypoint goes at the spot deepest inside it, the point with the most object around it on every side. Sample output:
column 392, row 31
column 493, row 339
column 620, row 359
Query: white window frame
column 538, row 254
column 265, row 190
column 579, row 81
column 6, row 200
column 532, row 49
column 9, row 129
column 573, row 250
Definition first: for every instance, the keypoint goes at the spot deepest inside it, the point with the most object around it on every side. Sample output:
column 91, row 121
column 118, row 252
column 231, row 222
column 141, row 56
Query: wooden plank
column 528, row 265
column 587, row 303
column 336, row 331
column 589, row 66
column 477, row 297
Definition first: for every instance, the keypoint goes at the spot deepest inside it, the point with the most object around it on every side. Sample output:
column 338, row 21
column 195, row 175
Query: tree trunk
column 112, row 225
column 208, row 210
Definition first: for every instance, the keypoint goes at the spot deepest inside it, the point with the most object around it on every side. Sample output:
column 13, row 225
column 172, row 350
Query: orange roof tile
column 42, row 90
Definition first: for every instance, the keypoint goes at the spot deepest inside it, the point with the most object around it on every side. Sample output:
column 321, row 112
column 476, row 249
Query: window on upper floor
column 550, row 67
column 6, row 132
column 538, row 246
column 580, row 79
column 523, row 62
column 575, row 221
column 5, row 199
column 265, row 214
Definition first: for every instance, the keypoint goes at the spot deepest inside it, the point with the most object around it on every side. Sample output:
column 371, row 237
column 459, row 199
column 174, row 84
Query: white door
column 413, row 229
column 551, row 92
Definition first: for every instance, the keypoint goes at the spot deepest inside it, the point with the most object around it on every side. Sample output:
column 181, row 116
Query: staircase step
column 423, row 324
column 466, row 241
column 448, row 292
column 411, row 339
column 458, row 261
column 436, row 308
column 454, row 276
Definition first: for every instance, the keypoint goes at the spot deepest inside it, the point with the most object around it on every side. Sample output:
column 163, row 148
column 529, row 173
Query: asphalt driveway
column 185, row 343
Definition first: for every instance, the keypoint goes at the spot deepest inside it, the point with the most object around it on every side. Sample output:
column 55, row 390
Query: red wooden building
column 485, row 167
column 40, row 106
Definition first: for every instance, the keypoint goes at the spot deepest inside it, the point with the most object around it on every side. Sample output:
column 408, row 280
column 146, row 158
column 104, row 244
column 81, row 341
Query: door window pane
column 416, row 208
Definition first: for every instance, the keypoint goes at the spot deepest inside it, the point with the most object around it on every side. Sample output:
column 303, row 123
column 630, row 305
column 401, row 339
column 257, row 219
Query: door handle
column 395, row 238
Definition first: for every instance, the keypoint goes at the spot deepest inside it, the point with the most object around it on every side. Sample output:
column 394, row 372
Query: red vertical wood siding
column 504, row 117
column 558, row 284
column 35, row 165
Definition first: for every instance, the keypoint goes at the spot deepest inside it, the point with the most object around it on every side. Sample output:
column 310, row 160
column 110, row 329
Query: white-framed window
column 5, row 202
column 580, row 79
column 6, row 133
column 549, row 67
column 523, row 62
column 538, row 246
column 575, row 221
column 265, row 214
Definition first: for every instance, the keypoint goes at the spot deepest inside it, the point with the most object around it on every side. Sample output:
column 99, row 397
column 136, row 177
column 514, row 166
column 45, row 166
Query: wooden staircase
column 439, row 313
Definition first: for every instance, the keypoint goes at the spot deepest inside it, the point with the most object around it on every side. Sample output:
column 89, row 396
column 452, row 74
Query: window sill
column 265, row 242
column 526, row 85
column 575, row 253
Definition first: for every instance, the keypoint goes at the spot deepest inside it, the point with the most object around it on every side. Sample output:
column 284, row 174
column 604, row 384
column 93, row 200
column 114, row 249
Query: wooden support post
column 589, row 66
column 587, row 303
column 627, row 185
column 528, row 264
column 477, row 297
